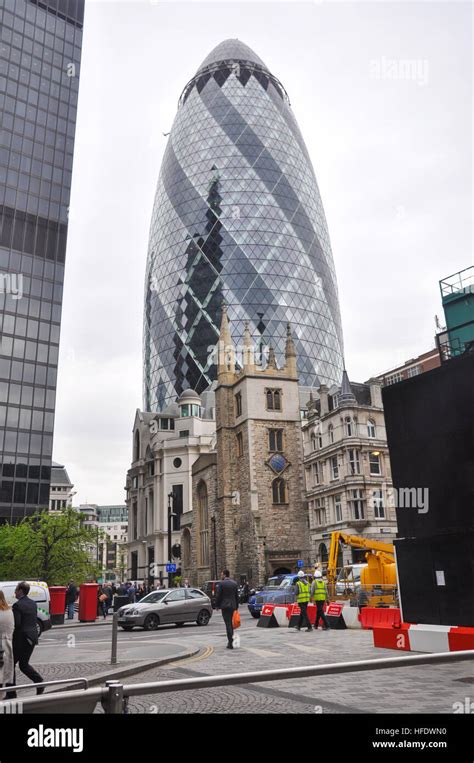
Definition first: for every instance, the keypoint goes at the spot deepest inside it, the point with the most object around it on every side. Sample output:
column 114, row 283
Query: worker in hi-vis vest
column 319, row 595
column 303, row 594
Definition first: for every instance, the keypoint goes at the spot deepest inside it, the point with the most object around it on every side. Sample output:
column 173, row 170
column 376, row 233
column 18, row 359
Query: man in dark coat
column 71, row 596
column 25, row 636
column 227, row 599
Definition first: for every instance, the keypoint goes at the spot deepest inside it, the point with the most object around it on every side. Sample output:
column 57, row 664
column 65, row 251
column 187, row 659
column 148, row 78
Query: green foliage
column 51, row 547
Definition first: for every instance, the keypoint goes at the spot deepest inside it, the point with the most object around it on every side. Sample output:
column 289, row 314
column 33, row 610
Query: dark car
column 278, row 590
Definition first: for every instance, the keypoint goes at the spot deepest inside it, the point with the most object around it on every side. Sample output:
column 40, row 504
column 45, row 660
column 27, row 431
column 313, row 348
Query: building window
column 413, row 371
column 316, row 469
column 338, row 508
column 357, row 504
column 374, row 461
column 184, row 433
column 240, row 444
column 275, row 440
column 177, row 505
column 371, row 431
column 203, row 555
column 394, row 378
column 135, row 520
column 185, row 411
column 354, row 461
column 279, row 490
column 273, row 398
column 313, row 441
column 164, row 423
column 238, row 404
column 331, row 433
column 378, row 504
column 320, row 512
column 135, row 482
column 334, row 468
column 136, row 447
column 348, row 426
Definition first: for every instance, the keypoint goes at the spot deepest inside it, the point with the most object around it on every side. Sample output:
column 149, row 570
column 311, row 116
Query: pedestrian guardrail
column 115, row 695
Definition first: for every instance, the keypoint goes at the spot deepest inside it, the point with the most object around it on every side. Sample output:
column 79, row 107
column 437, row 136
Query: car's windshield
column 286, row 582
column 350, row 573
column 152, row 598
column 272, row 583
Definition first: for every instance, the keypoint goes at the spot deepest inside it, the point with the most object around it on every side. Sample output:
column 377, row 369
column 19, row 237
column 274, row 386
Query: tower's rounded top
column 189, row 395
column 231, row 50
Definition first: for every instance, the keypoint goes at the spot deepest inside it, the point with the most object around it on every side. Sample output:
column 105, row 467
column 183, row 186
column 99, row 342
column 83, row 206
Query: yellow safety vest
column 303, row 593
column 319, row 590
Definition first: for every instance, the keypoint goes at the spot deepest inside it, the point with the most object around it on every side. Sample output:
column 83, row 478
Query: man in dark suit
column 227, row 599
column 25, row 636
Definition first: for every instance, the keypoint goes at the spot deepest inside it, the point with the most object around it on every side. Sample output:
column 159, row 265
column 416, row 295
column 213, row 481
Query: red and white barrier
column 410, row 637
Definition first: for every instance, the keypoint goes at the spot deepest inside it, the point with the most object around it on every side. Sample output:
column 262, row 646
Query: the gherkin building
column 238, row 218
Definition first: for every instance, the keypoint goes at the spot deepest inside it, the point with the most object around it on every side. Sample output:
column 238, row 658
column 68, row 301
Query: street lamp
column 171, row 514
column 213, row 520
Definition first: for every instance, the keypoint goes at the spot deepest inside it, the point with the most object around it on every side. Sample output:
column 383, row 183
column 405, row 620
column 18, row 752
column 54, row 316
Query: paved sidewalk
column 76, row 624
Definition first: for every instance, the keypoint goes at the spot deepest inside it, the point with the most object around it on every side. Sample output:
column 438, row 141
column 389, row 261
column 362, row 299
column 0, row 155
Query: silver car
column 175, row 605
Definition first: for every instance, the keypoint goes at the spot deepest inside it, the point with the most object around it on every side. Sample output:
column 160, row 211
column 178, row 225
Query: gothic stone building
column 249, row 512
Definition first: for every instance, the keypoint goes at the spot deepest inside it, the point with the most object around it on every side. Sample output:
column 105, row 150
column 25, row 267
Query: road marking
column 303, row 647
column 261, row 652
column 197, row 658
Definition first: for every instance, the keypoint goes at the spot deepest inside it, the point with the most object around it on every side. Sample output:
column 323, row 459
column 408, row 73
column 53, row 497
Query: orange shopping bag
column 236, row 619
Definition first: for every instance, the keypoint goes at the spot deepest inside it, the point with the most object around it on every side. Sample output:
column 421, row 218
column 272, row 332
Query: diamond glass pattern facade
column 237, row 217
column 40, row 52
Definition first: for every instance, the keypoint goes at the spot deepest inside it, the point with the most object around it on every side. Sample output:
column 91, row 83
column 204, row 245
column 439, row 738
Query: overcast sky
column 383, row 95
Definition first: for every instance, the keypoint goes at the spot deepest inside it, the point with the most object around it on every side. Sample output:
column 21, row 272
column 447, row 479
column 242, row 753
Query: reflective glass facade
column 40, row 52
column 237, row 217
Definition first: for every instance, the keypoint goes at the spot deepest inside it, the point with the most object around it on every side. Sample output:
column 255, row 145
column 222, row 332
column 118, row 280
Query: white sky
column 393, row 158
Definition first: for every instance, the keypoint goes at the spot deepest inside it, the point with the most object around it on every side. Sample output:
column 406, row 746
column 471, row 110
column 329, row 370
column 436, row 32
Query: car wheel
column 151, row 622
column 39, row 627
column 126, row 627
column 203, row 617
column 255, row 614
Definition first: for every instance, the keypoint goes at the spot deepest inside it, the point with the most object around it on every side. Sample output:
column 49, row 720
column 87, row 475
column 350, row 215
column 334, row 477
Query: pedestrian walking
column 227, row 600
column 101, row 602
column 25, row 636
column 71, row 598
column 302, row 598
column 319, row 595
column 7, row 625
column 131, row 593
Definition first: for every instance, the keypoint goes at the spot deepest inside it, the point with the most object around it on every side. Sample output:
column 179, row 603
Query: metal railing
column 114, row 695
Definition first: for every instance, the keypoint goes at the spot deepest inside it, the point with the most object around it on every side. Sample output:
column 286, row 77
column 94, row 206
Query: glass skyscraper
column 237, row 217
column 40, row 53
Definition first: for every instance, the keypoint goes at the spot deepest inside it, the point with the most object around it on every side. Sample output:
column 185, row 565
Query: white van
column 39, row 592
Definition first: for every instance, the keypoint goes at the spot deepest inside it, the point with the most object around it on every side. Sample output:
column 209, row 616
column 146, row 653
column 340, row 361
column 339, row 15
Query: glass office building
column 237, row 217
column 40, row 52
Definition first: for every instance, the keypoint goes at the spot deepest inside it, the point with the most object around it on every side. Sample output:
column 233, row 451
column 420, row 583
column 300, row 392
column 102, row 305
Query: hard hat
column 317, row 574
column 301, row 574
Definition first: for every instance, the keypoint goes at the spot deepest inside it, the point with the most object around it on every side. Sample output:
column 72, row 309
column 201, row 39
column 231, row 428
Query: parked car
column 170, row 605
column 283, row 592
column 39, row 592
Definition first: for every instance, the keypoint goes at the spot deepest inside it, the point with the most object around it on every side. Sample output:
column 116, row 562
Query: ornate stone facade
column 256, row 511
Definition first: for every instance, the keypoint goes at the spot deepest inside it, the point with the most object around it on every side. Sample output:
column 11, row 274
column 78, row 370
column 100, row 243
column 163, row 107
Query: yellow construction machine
column 377, row 584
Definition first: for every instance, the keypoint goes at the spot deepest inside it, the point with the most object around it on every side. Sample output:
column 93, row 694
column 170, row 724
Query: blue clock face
column 278, row 462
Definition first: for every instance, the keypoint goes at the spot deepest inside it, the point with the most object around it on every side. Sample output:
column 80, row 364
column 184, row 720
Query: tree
column 51, row 547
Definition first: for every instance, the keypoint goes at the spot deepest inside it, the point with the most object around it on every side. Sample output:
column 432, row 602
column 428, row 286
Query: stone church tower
column 260, row 512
